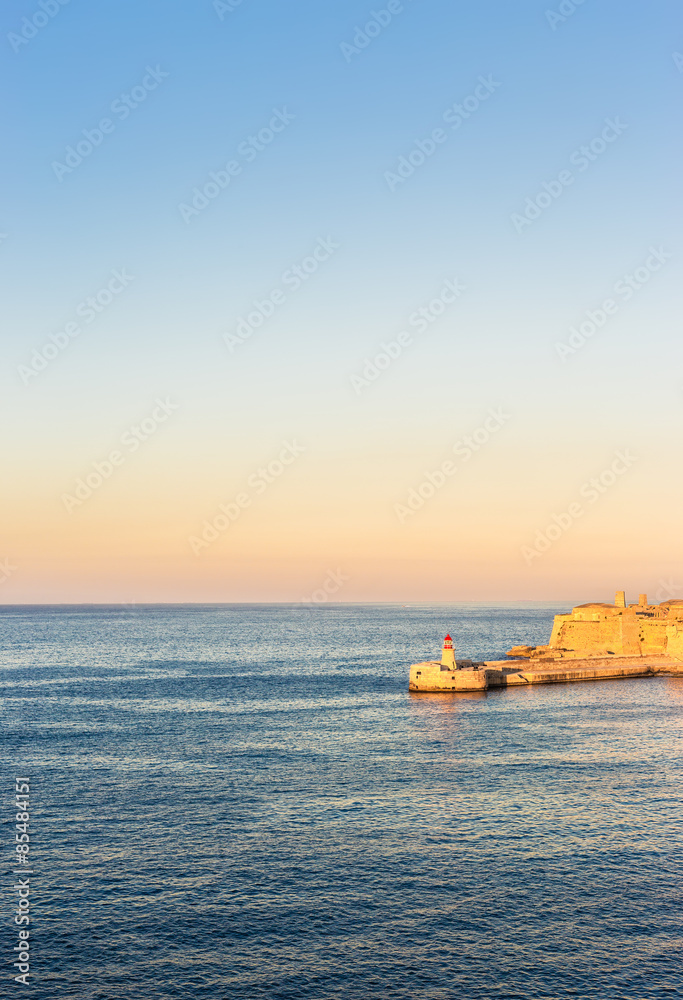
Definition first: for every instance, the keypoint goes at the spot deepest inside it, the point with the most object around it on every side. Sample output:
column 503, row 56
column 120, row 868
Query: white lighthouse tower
column 448, row 653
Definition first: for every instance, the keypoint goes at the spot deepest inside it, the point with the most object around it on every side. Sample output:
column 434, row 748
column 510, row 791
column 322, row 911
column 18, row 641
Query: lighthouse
column 448, row 653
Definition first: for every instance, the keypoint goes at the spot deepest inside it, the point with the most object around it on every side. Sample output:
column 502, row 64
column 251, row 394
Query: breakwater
column 433, row 676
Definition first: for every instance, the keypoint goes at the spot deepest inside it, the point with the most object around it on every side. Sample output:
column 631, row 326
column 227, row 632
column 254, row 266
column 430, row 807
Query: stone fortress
column 592, row 642
column 617, row 629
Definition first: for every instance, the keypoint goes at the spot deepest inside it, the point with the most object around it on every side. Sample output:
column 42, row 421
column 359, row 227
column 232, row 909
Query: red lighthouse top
column 447, row 640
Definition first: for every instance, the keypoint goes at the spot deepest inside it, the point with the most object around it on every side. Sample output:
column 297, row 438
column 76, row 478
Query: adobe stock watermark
column 581, row 158
column 259, row 481
column 669, row 590
column 87, row 310
column 131, row 439
column 331, row 585
column 625, row 288
column 132, row 608
column 464, row 448
column 420, row 320
column 21, row 807
column 563, row 12
column 454, row 115
column 292, row 279
column 6, row 570
column 30, row 26
column 223, row 7
column 121, row 106
column 590, row 492
column 374, row 26
column 247, row 150
column 678, row 60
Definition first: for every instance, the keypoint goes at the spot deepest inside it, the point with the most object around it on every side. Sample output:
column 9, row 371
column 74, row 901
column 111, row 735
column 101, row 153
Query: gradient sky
column 337, row 507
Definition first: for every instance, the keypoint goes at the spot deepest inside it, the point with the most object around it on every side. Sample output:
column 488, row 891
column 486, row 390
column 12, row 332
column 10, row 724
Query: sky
column 333, row 302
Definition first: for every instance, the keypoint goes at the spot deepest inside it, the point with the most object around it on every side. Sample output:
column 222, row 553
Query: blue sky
column 325, row 176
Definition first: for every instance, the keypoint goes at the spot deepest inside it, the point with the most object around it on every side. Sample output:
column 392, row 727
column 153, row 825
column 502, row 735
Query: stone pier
column 430, row 676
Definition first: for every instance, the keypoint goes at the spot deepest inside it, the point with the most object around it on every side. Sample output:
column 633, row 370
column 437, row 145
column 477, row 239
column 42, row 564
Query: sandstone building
column 619, row 629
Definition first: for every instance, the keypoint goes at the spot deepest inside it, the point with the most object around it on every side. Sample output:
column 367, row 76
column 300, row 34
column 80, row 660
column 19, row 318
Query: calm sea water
column 246, row 802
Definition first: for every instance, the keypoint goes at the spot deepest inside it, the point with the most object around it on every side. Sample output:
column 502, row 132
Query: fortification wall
column 558, row 625
column 589, row 638
column 590, row 631
column 674, row 634
column 653, row 637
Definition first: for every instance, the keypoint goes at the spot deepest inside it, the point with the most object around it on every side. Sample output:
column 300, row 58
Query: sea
column 245, row 801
